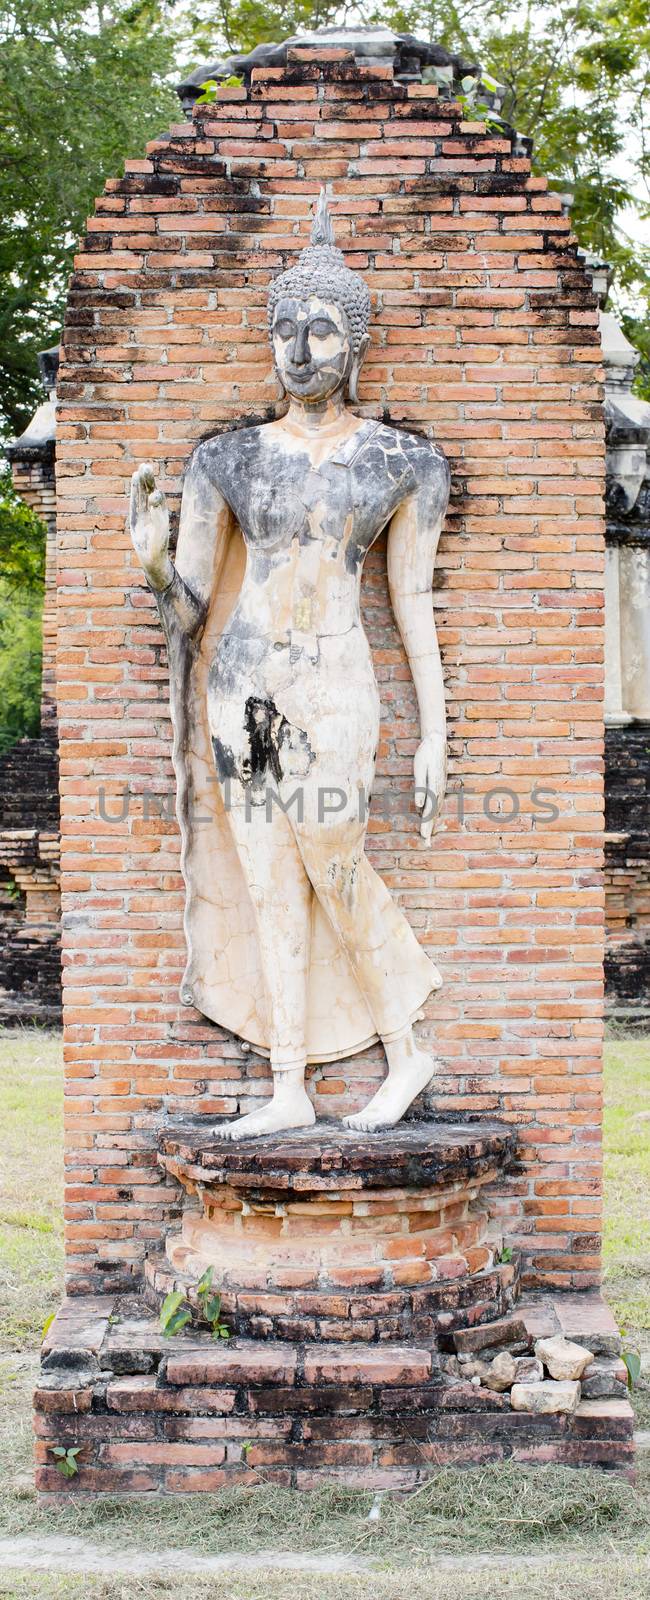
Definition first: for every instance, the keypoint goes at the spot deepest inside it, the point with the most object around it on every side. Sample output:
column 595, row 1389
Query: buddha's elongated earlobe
column 357, row 363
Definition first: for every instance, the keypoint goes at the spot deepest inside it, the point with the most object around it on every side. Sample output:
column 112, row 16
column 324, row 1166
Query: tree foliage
column 576, row 75
column 80, row 90
column 83, row 86
column 239, row 26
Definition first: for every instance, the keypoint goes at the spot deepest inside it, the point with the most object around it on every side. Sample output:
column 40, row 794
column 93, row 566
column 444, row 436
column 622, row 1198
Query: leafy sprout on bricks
column 210, row 1304
column 212, row 86
column 471, row 94
column 175, row 1312
column 66, row 1459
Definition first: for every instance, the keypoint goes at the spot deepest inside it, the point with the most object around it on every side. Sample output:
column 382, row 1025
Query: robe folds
column 223, row 977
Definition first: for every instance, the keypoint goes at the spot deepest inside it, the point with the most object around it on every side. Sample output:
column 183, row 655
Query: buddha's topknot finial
column 321, row 270
column 322, row 228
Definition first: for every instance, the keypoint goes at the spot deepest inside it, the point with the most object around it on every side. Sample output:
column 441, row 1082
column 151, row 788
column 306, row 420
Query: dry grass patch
column 605, row 1579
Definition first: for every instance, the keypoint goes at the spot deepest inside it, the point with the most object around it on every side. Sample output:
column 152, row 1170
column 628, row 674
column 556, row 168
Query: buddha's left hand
column 430, row 772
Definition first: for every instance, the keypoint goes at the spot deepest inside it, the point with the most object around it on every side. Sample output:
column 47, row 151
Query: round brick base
column 316, row 1240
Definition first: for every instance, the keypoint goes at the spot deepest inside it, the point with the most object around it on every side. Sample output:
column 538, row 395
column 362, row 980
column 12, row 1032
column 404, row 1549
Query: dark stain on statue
column 224, row 760
column 275, row 748
column 265, row 726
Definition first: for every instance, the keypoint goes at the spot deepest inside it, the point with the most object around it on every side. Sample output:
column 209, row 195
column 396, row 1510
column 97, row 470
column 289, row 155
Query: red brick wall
column 484, row 333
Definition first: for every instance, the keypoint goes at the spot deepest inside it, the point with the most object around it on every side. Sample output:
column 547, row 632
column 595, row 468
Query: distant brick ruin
column 30, row 957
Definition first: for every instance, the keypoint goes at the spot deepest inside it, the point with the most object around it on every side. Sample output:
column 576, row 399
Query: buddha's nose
column 301, row 352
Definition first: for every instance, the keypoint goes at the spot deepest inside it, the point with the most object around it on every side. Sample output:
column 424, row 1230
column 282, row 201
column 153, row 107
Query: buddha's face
column 312, row 347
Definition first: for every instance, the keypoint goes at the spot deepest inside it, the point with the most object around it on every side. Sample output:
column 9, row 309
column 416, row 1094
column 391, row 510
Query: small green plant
column 210, row 1304
column 212, row 86
column 174, row 1313
column 48, row 1323
column 469, row 95
column 66, row 1459
column 632, row 1361
column 504, row 1255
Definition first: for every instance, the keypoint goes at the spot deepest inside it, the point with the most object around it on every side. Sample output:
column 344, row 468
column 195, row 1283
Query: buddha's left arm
column 412, row 543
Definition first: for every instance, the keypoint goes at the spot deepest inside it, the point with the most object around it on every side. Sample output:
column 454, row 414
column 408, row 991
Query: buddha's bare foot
column 289, row 1107
column 408, row 1075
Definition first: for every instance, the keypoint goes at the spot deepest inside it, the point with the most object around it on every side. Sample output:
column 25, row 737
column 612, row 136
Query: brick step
column 258, row 1363
column 151, row 1415
column 121, row 1339
column 138, row 1436
column 360, row 1313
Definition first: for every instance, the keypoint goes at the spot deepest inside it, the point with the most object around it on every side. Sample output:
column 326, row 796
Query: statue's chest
column 342, row 502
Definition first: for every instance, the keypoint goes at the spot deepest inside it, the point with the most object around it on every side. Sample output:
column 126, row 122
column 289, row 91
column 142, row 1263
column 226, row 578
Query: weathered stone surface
column 545, row 1398
column 528, row 1370
column 474, row 1372
column 378, row 1415
column 332, row 1234
column 385, row 1364
column 606, row 1417
column 405, row 53
column 605, row 1378
column 563, row 1358
column 413, row 1155
column 501, row 1372
column 508, row 1330
column 588, row 1321
column 234, row 1363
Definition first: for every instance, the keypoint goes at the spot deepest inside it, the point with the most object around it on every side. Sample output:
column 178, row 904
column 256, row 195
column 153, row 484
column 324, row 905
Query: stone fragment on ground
column 605, row 1378
column 546, row 1398
column 507, row 1330
column 501, row 1372
column 528, row 1369
column 563, row 1359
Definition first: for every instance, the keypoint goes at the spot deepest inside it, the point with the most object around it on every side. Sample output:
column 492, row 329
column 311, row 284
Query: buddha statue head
column 319, row 312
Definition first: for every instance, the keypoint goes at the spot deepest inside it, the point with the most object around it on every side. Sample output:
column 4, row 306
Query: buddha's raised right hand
column 149, row 526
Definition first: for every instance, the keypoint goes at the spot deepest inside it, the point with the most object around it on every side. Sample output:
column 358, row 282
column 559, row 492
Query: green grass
column 600, row 1523
column 31, row 1183
column 627, row 1181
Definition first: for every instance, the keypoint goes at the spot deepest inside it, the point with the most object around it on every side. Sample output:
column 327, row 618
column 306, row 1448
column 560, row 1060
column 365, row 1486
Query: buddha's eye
column 285, row 328
column 321, row 327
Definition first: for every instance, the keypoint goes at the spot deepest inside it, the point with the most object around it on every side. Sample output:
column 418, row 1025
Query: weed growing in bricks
column 65, row 1460
column 211, row 1306
column 174, row 1313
